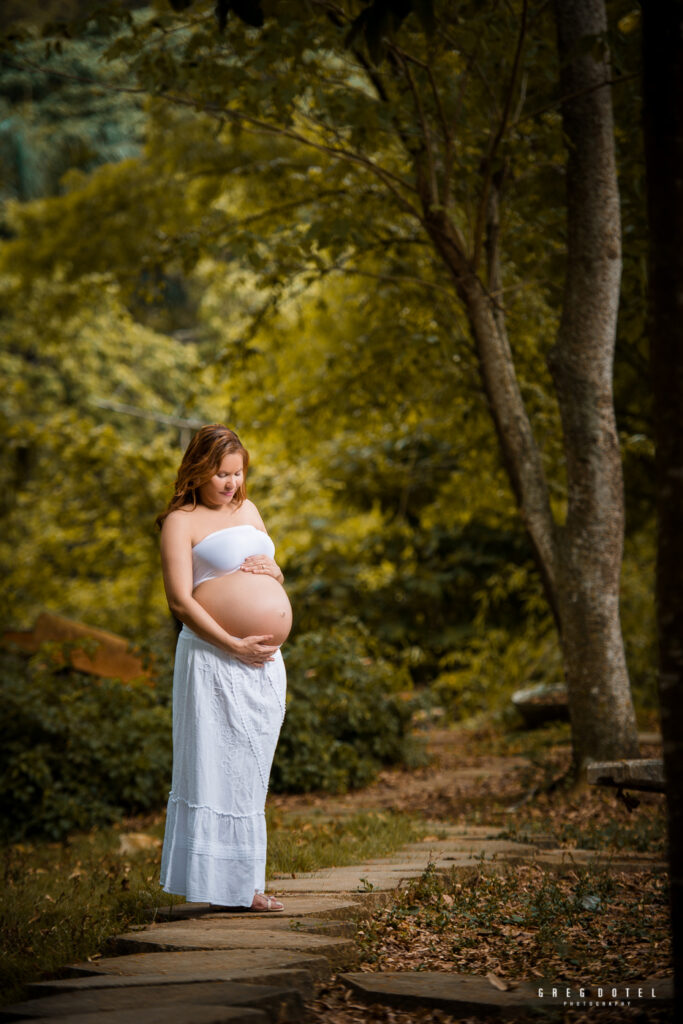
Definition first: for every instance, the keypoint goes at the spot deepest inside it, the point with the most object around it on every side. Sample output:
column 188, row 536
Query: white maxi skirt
column 226, row 722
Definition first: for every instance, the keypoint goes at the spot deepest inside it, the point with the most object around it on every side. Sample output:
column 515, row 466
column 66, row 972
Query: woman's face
column 223, row 485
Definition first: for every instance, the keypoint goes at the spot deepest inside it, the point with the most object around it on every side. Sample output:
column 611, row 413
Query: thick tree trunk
column 580, row 560
column 580, row 567
column 590, row 544
column 663, row 123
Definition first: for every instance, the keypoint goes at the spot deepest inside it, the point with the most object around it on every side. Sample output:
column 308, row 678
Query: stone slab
column 565, row 860
column 346, row 929
column 282, row 1004
column 299, row 979
column 303, row 905
column 471, row 994
column 413, row 860
column 377, row 876
column 384, row 874
column 384, row 881
column 181, row 1013
column 469, row 831
column 217, row 964
column 457, row 847
column 221, row 933
column 455, row 993
column 560, row 861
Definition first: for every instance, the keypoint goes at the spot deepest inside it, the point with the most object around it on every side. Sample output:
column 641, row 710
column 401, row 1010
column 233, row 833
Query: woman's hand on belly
column 255, row 650
column 263, row 565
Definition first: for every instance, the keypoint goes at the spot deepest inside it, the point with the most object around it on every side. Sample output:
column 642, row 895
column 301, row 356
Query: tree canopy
column 265, row 257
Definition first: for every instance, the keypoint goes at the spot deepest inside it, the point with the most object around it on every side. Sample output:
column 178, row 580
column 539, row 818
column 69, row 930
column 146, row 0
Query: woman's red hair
column 204, row 454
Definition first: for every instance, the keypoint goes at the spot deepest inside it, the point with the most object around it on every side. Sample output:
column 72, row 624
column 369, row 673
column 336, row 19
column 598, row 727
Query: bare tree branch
column 483, row 210
column 388, row 177
column 424, row 125
column 577, row 94
column 399, row 278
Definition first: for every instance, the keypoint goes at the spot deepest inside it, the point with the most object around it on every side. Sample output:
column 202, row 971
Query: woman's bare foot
column 262, row 903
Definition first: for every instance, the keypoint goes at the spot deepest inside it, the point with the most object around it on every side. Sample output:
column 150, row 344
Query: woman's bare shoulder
column 253, row 514
column 178, row 521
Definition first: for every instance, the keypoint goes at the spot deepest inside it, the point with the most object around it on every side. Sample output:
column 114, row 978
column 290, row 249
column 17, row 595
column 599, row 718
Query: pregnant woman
column 223, row 583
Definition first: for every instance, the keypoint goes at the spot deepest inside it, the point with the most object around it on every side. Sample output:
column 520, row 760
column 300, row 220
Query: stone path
column 475, row 996
column 195, row 966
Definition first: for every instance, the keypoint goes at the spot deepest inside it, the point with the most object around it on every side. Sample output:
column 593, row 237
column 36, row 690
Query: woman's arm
column 176, row 563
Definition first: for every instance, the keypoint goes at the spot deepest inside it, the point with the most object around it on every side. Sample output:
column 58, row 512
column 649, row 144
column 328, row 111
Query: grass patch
column 299, row 844
column 526, row 922
column 62, row 901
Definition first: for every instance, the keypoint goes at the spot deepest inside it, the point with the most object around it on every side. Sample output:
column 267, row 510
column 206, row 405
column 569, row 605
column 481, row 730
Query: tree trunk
column 663, row 126
column 580, row 561
column 520, row 453
column 590, row 544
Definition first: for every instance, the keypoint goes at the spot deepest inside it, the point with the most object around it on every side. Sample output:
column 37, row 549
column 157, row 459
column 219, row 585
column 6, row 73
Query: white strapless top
column 223, row 551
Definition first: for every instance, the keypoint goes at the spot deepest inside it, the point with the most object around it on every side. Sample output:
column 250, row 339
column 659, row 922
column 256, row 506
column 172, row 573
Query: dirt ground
column 461, row 777
column 479, row 776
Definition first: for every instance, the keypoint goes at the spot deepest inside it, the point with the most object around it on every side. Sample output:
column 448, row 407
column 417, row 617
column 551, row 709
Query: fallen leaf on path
column 500, row 983
column 133, row 842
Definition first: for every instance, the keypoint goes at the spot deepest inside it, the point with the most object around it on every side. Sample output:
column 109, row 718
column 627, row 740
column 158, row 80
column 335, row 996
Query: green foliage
column 77, row 751
column 85, row 481
column 410, row 585
column 345, row 716
column 317, row 318
column 482, row 675
column 61, row 114
column 512, row 642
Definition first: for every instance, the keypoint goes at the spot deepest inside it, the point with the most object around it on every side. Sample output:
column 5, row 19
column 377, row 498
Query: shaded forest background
column 159, row 265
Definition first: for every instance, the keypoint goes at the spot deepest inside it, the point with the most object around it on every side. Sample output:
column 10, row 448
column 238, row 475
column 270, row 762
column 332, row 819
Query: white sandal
column 271, row 904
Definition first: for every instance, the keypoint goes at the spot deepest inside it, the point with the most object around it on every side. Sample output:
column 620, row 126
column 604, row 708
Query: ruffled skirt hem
column 210, row 857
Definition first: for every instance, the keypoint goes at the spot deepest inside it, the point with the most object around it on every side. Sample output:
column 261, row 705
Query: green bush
column 485, row 672
column 345, row 718
column 77, row 751
column 494, row 660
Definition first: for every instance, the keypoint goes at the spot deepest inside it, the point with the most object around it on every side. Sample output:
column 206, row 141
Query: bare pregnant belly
column 247, row 604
